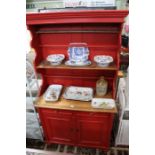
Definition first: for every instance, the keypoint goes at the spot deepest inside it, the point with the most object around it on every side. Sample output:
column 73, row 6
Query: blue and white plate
column 74, row 63
column 78, row 52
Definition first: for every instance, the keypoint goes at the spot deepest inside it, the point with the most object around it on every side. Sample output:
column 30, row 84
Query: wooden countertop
column 64, row 104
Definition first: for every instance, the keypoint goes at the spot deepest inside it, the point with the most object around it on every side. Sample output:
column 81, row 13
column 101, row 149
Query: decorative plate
column 53, row 92
column 103, row 103
column 73, row 63
column 78, row 93
column 103, row 60
column 55, row 59
column 78, row 52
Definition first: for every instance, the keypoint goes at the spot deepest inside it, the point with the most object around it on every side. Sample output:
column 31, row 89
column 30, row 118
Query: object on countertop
column 103, row 60
column 101, row 87
column 78, row 54
column 53, row 92
column 103, row 103
column 55, row 59
column 78, row 93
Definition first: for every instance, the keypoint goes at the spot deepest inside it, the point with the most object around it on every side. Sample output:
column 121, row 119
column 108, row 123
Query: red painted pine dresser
column 67, row 121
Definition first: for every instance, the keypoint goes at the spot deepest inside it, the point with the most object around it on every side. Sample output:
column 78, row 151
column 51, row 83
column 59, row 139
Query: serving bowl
column 103, row 60
column 55, row 59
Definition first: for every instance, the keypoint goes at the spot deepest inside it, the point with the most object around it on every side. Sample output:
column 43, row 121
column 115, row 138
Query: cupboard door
column 93, row 131
column 58, row 127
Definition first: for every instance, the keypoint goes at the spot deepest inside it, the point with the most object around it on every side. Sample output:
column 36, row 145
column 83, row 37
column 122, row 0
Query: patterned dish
column 73, row 63
column 78, row 93
column 103, row 103
column 53, row 92
column 78, row 52
column 103, row 60
column 55, row 59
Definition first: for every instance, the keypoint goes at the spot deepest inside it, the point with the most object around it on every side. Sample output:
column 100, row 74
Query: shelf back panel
column 102, row 39
column 78, row 73
column 79, row 81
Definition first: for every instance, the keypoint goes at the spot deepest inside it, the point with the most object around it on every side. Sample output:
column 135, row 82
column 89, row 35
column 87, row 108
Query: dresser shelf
column 46, row 65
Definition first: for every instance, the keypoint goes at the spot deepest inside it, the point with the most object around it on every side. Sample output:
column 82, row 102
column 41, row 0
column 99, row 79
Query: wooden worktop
column 64, row 104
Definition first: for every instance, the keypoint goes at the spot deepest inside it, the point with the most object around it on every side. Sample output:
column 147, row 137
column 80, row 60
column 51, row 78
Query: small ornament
column 101, row 87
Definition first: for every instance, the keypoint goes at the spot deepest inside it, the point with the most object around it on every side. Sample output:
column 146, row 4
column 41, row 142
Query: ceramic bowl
column 103, row 60
column 55, row 59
